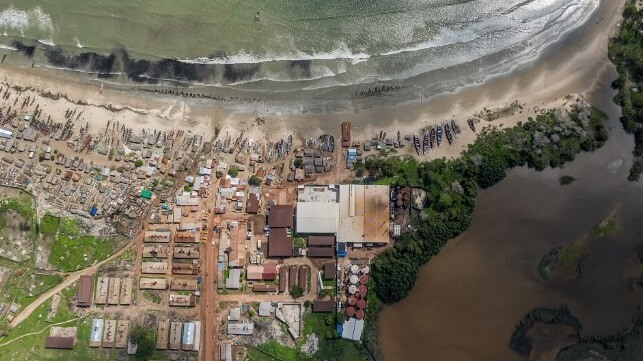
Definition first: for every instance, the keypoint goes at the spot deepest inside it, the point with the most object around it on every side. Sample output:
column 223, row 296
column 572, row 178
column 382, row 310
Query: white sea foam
column 8, row 47
column 48, row 42
column 340, row 52
column 78, row 43
column 23, row 20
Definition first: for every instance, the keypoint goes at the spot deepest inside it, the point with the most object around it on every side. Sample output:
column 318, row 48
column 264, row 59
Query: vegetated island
column 626, row 52
column 624, row 344
column 567, row 259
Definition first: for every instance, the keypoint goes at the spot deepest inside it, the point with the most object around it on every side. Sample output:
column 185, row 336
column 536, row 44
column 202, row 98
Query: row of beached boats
column 433, row 137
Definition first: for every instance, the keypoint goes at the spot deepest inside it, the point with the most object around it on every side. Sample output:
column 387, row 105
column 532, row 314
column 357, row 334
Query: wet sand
column 568, row 67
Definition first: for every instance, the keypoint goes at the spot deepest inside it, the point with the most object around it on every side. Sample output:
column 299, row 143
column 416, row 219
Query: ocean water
column 287, row 46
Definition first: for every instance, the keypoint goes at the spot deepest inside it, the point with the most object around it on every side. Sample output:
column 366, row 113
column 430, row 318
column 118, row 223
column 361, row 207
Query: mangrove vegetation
column 551, row 139
column 626, row 52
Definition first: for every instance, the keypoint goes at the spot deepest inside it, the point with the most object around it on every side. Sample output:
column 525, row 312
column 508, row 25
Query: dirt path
column 35, row 333
column 68, row 281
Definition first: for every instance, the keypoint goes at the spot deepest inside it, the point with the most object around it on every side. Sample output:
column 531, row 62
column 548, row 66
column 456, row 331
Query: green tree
column 138, row 163
column 233, row 172
column 254, row 181
column 144, row 338
column 296, row 291
column 298, row 162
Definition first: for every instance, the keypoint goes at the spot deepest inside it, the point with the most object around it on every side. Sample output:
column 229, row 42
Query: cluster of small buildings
column 355, row 306
column 167, row 253
column 109, row 333
column 113, row 291
column 177, row 335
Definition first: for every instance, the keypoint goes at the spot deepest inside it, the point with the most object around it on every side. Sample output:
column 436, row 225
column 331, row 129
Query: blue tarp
column 93, row 211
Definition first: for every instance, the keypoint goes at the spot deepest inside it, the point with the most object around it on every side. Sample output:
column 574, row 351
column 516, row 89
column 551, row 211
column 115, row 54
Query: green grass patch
column 71, row 251
column 23, row 287
column 604, row 227
column 299, row 242
column 49, row 225
column 568, row 254
column 32, row 347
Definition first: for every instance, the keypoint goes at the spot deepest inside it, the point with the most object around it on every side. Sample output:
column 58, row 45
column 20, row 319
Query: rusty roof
column 66, row 343
column 252, row 206
column 323, row 306
column 279, row 244
column 281, row 216
column 321, row 240
column 85, row 291
column 326, row 252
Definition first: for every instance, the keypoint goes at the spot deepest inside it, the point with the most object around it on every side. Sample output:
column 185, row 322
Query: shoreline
column 569, row 67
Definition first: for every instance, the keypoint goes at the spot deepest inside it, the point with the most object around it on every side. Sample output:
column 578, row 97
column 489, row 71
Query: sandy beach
column 569, row 67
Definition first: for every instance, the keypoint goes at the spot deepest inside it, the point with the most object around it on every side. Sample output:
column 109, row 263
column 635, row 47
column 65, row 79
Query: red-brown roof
column 269, row 271
column 361, row 303
column 329, row 270
column 292, row 276
column 326, row 252
column 323, row 306
column 264, row 288
column 359, row 314
column 281, row 216
column 282, row 279
column 279, row 244
column 346, row 134
column 321, row 241
column 85, row 291
column 252, row 206
column 65, row 343
column 303, row 278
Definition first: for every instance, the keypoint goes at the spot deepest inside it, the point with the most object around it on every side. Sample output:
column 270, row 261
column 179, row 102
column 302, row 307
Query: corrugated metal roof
column 279, row 244
column 281, row 216
column 317, row 217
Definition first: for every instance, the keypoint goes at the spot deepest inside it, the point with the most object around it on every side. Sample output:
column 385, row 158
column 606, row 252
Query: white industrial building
column 317, row 209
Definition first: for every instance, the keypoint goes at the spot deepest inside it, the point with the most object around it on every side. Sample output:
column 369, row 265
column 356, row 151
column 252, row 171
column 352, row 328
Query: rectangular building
column 96, row 333
column 323, row 306
column 241, row 328
column 114, row 291
column 102, row 289
column 323, row 241
column 321, row 252
column 186, row 237
column 162, row 335
column 177, row 300
column 158, row 236
column 122, row 332
column 281, row 216
column 317, row 217
column 61, row 343
column 126, row 291
column 184, row 284
column 109, row 334
column 187, row 252
column 85, row 291
column 156, row 251
column 188, row 336
column 152, row 283
column 175, row 336
column 279, row 243
column 363, row 214
column 154, row 267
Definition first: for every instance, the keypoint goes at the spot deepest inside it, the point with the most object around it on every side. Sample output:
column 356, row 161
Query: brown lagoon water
column 468, row 299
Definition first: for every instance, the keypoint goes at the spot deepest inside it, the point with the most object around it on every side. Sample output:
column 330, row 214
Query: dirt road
column 209, row 302
column 68, row 281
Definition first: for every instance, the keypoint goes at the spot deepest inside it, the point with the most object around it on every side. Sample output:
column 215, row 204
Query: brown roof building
column 279, row 243
column 283, row 284
column 85, row 291
column 292, row 276
column 269, row 271
column 327, row 241
column 303, row 278
column 62, row 343
column 252, row 205
column 281, row 216
column 323, row 306
column 264, row 288
column 329, row 271
column 321, row 252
